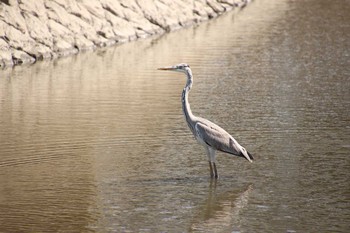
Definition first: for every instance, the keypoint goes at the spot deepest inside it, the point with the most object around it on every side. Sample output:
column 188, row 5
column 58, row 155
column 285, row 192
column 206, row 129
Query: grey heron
column 208, row 134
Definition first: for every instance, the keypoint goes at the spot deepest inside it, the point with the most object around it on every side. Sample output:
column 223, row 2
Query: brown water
column 98, row 143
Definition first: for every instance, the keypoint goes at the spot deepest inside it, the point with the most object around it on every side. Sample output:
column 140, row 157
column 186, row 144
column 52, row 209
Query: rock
column 83, row 44
column 11, row 16
column 63, row 48
column 20, row 57
column 39, row 51
column 38, row 30
column 5, row 54
column 122, row 29
column 217, row 8
column 42, row 29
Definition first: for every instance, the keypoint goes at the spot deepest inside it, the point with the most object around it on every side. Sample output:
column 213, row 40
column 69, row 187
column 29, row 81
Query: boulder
column 42, row 29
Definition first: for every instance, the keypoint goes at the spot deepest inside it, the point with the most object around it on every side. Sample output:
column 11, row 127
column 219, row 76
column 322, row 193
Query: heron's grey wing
column 216, row 137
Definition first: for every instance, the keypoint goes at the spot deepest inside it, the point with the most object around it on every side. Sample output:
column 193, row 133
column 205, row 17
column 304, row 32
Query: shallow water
column 97, row 142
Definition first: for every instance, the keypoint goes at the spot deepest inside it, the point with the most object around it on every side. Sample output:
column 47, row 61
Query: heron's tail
column 248, row 156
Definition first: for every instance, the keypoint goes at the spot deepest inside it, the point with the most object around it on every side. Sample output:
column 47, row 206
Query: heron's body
column 208, row 134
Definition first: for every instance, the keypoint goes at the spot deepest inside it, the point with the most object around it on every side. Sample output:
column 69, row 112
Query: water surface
column 97, row 142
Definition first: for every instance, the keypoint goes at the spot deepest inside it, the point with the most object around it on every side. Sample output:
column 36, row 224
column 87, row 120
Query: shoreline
column 37, row 30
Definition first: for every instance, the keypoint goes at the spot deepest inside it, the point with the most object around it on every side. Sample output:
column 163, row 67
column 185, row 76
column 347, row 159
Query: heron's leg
column 213, row 160
column 211, row 169
column 212, row 165
column 215, row 171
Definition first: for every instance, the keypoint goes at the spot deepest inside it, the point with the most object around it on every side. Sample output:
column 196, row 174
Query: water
column 97, row 142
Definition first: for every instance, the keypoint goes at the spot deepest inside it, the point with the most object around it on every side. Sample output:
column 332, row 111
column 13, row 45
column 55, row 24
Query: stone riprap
column 32, row 30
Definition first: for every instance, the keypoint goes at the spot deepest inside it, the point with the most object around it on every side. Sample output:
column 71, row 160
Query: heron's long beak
column 167, row 68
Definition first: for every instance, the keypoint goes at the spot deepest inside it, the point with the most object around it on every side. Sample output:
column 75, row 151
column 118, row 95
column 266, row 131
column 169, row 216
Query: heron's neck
column 185, row 104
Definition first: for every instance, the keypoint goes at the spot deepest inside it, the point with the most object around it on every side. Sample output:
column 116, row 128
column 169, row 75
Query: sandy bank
column 34, row 30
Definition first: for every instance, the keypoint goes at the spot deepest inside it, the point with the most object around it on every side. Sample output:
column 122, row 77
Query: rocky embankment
column 33, row 30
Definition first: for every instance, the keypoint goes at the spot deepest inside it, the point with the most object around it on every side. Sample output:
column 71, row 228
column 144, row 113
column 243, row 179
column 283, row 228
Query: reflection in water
column 220, row 211
column 182, row 204
column 97, row 142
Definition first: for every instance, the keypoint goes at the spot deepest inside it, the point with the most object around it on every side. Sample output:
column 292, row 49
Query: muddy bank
column 34, row 30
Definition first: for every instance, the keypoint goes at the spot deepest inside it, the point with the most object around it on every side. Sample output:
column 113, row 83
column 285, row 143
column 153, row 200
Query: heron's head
column 179, row 68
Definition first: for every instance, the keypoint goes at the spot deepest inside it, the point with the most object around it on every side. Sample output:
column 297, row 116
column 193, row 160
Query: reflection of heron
column 221, row 210
column 210, row 135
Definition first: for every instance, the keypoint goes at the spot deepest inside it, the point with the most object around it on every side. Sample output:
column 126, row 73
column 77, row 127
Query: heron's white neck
column 185, row 104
